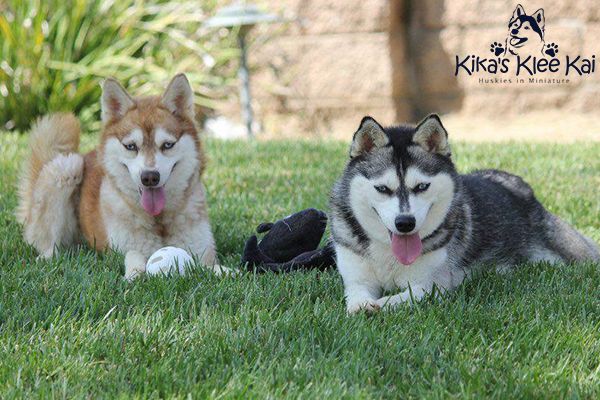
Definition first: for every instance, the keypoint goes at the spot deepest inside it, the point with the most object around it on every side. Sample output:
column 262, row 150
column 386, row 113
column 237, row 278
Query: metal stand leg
column 244, row 76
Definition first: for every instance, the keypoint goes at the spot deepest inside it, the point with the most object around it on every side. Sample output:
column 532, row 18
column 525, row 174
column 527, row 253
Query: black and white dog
column 403, row 217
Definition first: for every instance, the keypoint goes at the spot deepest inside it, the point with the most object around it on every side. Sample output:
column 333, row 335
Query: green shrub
column 54, row 54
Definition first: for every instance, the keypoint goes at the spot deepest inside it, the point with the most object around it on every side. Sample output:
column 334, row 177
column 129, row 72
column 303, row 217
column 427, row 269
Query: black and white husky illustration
column 403, row 217
column 526, row 33
column 525, row 36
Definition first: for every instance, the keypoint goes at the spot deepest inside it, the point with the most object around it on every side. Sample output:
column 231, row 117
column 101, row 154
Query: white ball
column 168, row 260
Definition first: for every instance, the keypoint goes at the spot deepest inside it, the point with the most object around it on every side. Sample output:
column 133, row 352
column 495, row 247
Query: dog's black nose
column 405, row 223
column 150, row 178
column 514, row 31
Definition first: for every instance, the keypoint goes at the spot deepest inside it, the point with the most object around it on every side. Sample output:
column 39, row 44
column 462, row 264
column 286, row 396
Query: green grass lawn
column 71, row 327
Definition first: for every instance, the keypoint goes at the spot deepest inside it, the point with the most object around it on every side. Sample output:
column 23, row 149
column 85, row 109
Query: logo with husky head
column 525, row 36
column 524, row 51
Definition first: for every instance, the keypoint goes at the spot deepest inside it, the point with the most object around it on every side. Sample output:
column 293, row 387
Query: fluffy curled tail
column 48, row 181
column 52, row 135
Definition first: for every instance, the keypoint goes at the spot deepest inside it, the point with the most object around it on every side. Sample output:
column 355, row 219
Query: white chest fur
column 391, row 274
column 365, row 277
column 129, row 228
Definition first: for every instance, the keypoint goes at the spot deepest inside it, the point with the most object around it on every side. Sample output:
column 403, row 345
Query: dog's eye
column 526, row 28
column 167, row 145
column 131, row 146
column 421, row 187
column 383, row 189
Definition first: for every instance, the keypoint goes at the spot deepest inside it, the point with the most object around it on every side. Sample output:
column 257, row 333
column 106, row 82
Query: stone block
column 333, row 123
column 333, row 16
column 477, row 12
column 346, row 67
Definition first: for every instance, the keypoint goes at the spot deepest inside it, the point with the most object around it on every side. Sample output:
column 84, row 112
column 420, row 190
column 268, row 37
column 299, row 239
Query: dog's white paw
column 369, row 306
column 221, row 270
column 387, row 302
column 135, row 265
column 405, row 297
column 46, row 254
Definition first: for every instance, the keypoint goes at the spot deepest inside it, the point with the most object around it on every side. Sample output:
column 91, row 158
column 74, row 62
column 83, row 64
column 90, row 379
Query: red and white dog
column 138, row 191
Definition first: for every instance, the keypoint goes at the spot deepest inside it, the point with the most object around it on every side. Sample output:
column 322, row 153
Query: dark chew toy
column 290, row 244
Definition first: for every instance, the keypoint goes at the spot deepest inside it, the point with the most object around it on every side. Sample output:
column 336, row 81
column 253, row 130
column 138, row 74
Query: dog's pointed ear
column 369, row 136
column 431, row 135
column 179, row 97
column 538, row 16
column 115, row 100
column 519, row 10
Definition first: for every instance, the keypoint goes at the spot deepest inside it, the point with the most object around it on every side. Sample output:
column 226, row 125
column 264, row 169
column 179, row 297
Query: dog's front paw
column 46, row 254
column 220, row 270
column 406, row 297
column 135, row 265
column 388, row 302
column 368, row 306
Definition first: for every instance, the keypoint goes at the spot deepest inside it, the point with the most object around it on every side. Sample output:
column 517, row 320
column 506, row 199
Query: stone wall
column 470, row 26
column 395, row 60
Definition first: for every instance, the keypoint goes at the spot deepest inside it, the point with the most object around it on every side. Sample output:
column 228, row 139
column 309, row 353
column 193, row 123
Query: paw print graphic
column 551, row 49
column 496, row 48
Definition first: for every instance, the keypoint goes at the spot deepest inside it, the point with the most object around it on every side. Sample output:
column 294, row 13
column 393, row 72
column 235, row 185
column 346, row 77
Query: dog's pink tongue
column 153, row 200
column 406, row 248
